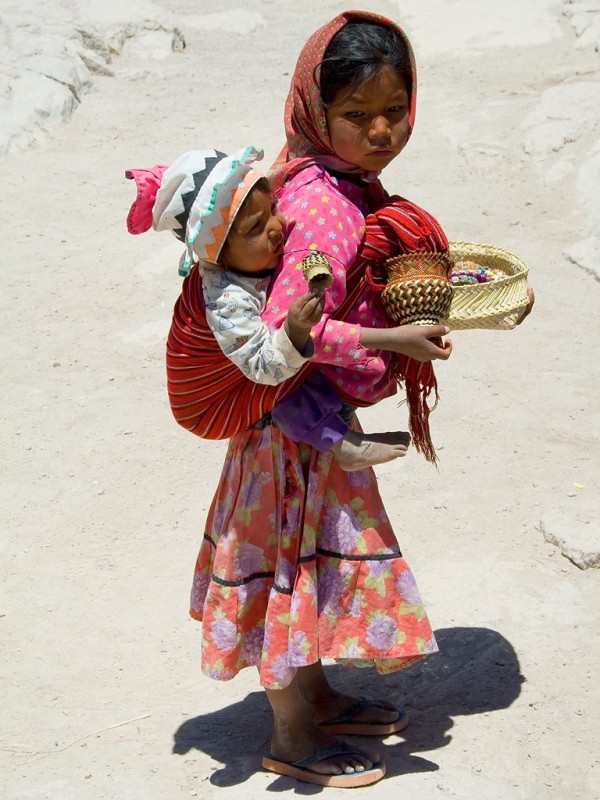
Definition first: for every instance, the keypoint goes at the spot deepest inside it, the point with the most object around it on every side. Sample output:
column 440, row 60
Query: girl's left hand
column 528, row 309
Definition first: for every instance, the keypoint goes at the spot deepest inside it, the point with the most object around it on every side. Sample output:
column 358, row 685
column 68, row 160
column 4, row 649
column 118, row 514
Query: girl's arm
column 414, row 341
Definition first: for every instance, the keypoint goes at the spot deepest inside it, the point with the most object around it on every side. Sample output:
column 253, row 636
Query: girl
column 224, row 210
column 299, row 561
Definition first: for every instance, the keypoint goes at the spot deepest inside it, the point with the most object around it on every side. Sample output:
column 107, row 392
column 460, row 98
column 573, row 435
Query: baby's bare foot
column 389, row 437
column 359, row 451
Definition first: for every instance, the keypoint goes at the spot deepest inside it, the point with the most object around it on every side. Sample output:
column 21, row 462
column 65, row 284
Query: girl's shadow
column 476, row 671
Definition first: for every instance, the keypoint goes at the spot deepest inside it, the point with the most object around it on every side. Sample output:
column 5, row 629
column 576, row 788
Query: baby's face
column 256, row 240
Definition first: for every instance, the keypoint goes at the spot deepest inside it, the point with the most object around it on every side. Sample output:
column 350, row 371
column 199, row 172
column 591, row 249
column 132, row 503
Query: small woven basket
column 418, row 291
column 496, row 305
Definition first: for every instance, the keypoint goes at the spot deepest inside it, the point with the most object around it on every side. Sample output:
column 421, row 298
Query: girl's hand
column 421, row 342
column 305, row 312
column 528, row 309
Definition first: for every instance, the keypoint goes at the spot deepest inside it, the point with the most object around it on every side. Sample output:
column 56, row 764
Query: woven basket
column 417, row 291
column 496, row 305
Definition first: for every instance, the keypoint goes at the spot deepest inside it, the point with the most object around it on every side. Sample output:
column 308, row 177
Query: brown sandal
column 300, row 770
column 347, row 724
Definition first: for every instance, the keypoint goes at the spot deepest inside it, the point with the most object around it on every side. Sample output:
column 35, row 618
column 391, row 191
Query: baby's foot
column 390, row 437
column 360, row 450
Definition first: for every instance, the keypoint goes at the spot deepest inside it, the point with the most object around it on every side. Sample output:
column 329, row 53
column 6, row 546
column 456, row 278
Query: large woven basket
column 496, row 305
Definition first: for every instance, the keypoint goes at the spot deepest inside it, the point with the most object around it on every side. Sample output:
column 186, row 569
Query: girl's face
column 256, row 240
column 369, row 127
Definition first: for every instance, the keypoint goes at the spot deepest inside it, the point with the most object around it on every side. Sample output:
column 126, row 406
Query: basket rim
column 520, row 268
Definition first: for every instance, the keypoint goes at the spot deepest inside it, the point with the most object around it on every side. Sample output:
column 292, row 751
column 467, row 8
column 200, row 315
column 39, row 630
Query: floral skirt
column 299, row 562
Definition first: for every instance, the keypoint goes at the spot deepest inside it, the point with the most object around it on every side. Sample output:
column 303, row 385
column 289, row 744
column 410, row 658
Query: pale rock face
column 514, row 23
column 155, row 45
column 588, row 185
column 563, row 115
column 585, row 255
column 575, row 535
column 49, row 56
column 241, row 22
column 585, row 18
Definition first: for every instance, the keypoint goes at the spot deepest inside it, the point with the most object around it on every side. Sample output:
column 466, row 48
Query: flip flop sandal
column 346, row 724
column 301, row 769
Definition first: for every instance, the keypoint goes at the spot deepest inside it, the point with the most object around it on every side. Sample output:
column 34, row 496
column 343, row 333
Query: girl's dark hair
column 356, row 54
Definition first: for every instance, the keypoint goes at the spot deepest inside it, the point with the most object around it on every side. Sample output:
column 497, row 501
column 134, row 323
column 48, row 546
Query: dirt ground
column 104, row 497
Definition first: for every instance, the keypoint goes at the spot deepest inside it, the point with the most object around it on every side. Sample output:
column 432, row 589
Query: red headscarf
column 305, row 116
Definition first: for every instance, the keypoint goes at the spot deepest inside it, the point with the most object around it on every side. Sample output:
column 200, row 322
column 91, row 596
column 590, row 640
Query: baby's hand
column 305, row 312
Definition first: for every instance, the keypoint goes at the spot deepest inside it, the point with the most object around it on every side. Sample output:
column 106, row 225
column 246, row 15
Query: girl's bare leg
column 326, row 703
column 296, row 735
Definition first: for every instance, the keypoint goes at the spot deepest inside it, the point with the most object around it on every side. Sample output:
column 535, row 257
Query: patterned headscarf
column 196, row 198
column 305, row 115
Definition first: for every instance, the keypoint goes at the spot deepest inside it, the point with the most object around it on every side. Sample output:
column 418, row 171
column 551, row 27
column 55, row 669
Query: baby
column 225, row 212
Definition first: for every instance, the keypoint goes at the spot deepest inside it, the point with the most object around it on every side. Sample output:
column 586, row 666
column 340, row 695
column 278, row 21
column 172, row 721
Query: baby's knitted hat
column 196, row 198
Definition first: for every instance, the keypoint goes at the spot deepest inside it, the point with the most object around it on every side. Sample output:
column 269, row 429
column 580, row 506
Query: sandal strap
column 352, row 711
column 343, row 748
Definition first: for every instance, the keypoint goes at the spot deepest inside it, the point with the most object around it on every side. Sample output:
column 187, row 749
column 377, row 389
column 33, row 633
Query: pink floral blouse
column 327, row 214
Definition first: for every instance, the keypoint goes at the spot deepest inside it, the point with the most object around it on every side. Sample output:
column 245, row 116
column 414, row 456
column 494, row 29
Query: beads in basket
column 418, row 290
column 466, row 272
column 495, row 304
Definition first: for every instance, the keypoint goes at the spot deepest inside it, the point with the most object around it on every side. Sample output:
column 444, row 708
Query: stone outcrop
column 584, row 16
column 575, row 534
column 49, row 61
column 567, row 114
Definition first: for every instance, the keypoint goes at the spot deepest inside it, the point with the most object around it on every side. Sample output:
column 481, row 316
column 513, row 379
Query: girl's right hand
column 420, row 342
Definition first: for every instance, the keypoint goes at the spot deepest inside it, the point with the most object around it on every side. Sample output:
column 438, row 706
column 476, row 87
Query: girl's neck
column 348, row 176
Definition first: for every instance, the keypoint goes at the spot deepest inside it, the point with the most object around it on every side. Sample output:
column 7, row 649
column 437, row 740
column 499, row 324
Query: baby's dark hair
column 356, row 54
column 262, row 185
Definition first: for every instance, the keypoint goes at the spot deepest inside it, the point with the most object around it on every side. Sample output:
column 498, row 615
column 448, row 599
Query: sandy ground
column 104, row 497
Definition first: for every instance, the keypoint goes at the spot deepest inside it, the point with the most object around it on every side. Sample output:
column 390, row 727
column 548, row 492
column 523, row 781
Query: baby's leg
column 357, row 450
column 311, row 414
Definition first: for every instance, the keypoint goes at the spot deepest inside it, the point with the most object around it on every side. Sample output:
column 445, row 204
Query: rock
column 46, row 68
column 95, row 63
column 157, row 44
column 584, row 254
column 71, row 72
column 95, row 43
column 239, row 21
column 35, row 102
column 513, row 24
column 588, row 182
column 585, row 19
column 563, row 115
column 577, row 537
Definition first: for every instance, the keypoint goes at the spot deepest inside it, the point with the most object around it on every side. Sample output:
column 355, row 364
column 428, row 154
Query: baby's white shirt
column 234, row 303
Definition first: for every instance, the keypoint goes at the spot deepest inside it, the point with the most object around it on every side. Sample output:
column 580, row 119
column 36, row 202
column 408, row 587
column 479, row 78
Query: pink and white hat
column 196, row 198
